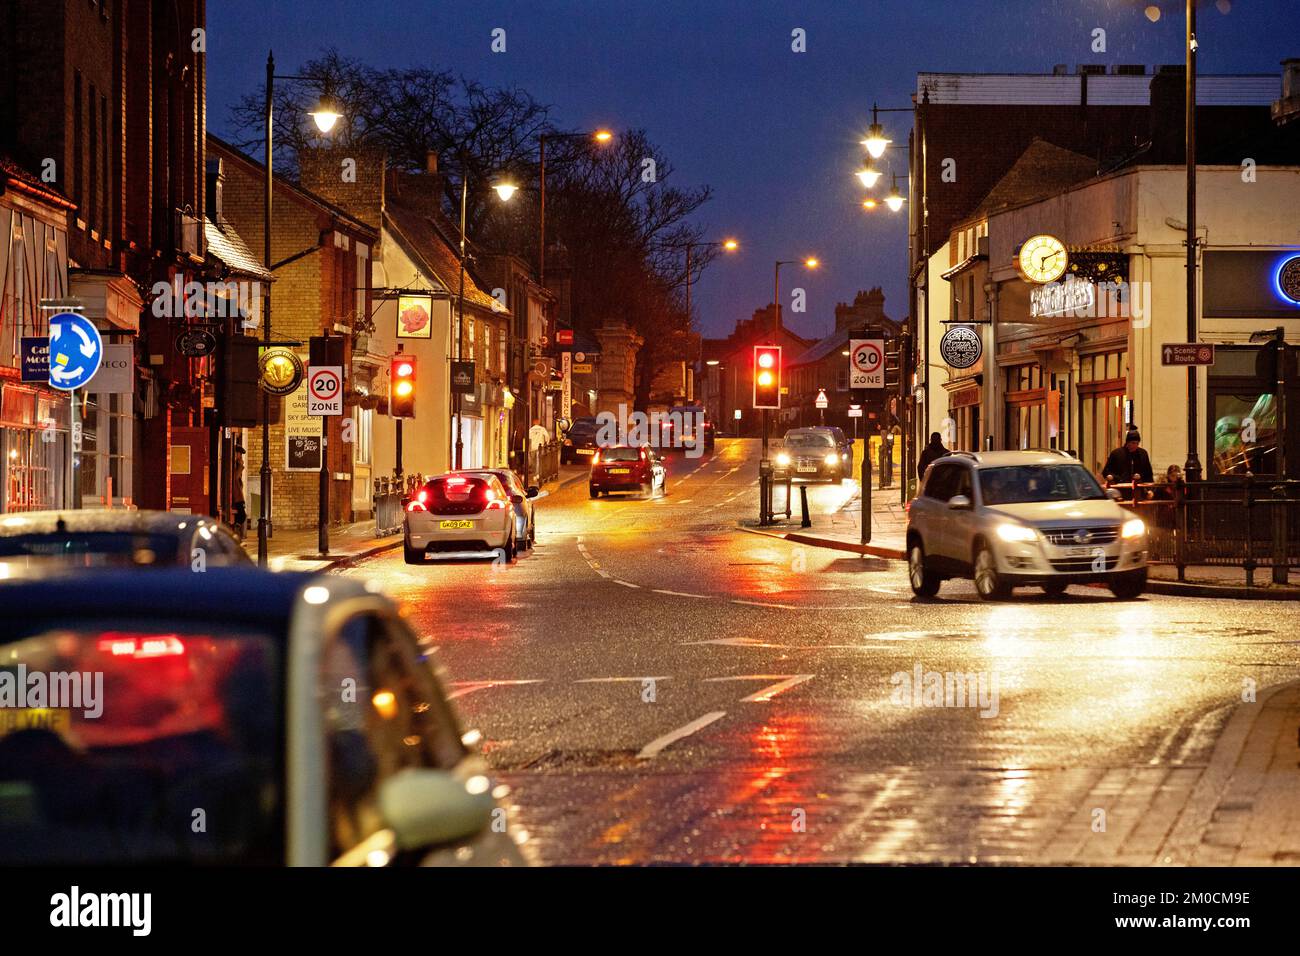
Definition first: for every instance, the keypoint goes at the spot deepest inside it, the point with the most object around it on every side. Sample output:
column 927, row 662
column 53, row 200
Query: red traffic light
column 401, row 398
column 767, row 376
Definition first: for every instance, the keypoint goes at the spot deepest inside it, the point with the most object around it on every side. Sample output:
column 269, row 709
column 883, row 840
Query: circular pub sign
column 1288, row 279
column 961, row 347
column 279, row 370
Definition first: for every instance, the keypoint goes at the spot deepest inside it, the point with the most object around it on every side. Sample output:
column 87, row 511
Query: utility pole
column 1192, row 467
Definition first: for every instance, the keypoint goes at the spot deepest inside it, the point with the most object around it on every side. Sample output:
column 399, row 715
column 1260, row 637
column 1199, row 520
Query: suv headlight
column 832, row 459
column 783, row 459
column 1134, row 528
column 1016, row 532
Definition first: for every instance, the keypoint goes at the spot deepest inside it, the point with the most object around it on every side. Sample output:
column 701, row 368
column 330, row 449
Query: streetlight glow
column 869, row 204
column 811, row 263
column 869, row 175
column 731, row 245
column 326, row 113
column 876, row 141
column 505, row 190
column 603, row 135
column 895, row 199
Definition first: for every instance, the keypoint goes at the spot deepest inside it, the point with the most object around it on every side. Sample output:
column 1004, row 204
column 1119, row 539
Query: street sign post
column 867, row 363
column 325, row 390
column 76, row 350
column 1186, row 353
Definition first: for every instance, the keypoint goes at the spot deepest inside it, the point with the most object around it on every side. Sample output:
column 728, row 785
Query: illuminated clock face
column 1043, row 259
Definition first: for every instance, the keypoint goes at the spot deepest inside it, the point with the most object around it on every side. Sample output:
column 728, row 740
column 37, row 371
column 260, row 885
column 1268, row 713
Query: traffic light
column 401, row 399
column 767, row 376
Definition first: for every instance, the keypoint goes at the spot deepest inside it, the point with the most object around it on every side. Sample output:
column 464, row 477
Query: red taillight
column 494, row 503
column 416, row 505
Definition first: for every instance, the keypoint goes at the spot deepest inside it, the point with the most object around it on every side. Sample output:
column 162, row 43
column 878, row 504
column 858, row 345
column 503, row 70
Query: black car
column 579, row 443
column 813, row 454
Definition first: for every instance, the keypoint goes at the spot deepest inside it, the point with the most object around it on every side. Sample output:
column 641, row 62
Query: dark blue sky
column 715, row 83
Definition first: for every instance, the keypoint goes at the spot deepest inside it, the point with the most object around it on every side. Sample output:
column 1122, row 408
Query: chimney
column 1287, row 108
column 215, row 181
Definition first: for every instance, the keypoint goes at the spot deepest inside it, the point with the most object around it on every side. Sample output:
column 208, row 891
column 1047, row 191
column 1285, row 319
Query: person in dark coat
column 929, row 453
column 1129, row 462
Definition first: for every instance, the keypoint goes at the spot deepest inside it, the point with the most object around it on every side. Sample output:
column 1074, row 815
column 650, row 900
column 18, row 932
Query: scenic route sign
column 1186, row 353
column 867, row 363
column 76, row 350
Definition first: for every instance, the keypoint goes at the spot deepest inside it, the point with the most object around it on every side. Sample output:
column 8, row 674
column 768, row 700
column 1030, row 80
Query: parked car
column 813, row 454
column 33, row 540
column 299, row 712
column 579, row 443
column 1014, row 518
column 624, row 468
column 687, row 426
column 525, row 514
column 459, row 515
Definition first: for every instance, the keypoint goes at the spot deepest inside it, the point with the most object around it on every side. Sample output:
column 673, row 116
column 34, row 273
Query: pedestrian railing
column 1248, row 522
column 389, row 496
column 544, row 462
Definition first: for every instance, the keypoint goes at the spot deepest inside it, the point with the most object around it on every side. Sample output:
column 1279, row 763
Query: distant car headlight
column 783, row 459
column 832, row 459
column 1134, row 528
column 1016, row 532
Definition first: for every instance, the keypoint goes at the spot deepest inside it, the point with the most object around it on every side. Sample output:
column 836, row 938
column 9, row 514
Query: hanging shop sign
column 36, row 358
column 414, row 318
column 279, row 370
column 116, row 375
column 462, row 378
column 961, row 346
column 196, row 343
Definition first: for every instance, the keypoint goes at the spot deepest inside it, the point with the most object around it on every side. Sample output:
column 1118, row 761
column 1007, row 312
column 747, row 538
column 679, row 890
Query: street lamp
column 505, row 190
column 876, row 142
column 731, row 245
column 868, row 175
column 325, row 115
column 601, row 136
column 808, row 263
column 895, row 199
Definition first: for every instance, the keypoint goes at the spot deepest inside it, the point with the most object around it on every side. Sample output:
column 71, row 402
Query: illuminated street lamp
column 808, row 263
column 895, row 199
column 326, row 113
column 868, row 175
column 731, row 245
column 601, row 136
column 876, row 141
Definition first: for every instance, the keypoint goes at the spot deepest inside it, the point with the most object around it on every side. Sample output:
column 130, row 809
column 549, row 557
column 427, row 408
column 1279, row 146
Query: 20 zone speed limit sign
column 867, row 363
column 325, row 390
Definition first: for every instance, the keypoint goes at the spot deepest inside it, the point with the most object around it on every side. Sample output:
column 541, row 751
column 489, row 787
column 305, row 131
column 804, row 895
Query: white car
column 461, row 515
column 525, row 513
column 296, row 716
column 1014, row 518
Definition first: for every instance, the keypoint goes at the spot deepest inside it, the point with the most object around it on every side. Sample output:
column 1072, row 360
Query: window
column 383, row 713
column 487, row 347
column 363, row 434
column 944, row 481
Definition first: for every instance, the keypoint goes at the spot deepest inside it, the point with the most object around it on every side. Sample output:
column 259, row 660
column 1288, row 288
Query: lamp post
column 731, row 245
column 809, row 263
column 504, row 190
column 325, row 115
column 876, row 143
column 1192, row 467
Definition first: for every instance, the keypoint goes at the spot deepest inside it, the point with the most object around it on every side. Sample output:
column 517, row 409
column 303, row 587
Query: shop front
column 34, row 450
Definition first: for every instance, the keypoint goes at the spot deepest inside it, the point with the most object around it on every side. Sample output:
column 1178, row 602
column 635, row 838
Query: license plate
column 586, row 451
column 806, row 468
column 620, row 471
column 15, row 719
column 456, row 525
column 1080, row 552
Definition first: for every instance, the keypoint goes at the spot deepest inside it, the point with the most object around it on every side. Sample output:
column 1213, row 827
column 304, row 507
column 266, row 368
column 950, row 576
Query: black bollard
column 805, row 521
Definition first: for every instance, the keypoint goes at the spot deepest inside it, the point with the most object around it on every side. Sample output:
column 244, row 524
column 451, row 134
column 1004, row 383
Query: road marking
column 464, row 687
column 783, row 607
column 684, row 501
column 732, row 642
column 626, row 584
column 704, row 597
column 667, row 740
column 783, row 683
column 617, row 680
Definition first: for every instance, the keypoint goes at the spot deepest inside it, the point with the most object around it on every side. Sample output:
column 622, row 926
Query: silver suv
column 1013, row 518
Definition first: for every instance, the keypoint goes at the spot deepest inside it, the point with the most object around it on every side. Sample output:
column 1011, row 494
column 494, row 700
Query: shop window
column 1245, row 434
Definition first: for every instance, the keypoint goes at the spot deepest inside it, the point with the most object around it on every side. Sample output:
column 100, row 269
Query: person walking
column 929, row 453
column 240, row 518
column 1129, row 462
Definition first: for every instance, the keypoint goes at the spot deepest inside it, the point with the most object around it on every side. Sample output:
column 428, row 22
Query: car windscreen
column 808, row 440
column 620, row 454
column 124, row 742
column 92, row 548
column 1024, row 483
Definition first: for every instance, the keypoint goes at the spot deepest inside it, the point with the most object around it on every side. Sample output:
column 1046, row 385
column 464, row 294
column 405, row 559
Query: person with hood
column 931, row 452
column 1129, row 462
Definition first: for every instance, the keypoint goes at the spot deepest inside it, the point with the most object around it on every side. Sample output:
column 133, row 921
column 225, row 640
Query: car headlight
column 1134, row 528
column 832, row 459
column 783, row 459
column 1016, row 532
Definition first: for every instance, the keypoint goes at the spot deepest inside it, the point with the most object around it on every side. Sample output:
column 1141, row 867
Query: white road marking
column 783, row 682
column 667, row 740
column 464, row 687
column 704, row 597
column 616, row 680
column 683, row 501
column 783, row 607
column 626, row 584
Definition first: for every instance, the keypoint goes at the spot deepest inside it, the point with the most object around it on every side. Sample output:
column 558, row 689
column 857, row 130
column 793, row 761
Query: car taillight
column 416, row 505
column 495, row 504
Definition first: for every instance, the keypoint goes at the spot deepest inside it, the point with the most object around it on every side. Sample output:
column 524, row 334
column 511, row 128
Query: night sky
column 716, row 85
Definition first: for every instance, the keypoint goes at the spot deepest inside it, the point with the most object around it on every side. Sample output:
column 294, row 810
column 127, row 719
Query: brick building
column 106, row 103
column 322, row 282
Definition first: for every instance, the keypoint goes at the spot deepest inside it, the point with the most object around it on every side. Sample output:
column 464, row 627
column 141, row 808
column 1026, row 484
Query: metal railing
column 389, row 496
column 544, row 462
column 1248, row 522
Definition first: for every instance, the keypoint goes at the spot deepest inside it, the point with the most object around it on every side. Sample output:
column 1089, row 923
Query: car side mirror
column 517, row 499
column 959, row 503
column 532, row 491
column 1114, row 494
column 425, row 808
